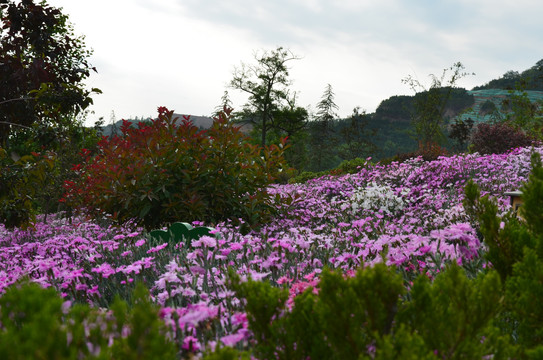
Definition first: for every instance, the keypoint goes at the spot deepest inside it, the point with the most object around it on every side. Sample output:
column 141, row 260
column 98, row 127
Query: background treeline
column 319, row 140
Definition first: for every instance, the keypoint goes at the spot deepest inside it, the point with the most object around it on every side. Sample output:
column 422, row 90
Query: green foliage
column 266, row 83
column 164, row 171
column 181, row 232
column 40, row 160
column 524, row 288
column 532, row 79
column 532, row 210
column 430, row 104
column 504, row 237
column 355, row 311
column 342, row 322
column 364, row 317
column 307, row 175
column 42, row 66
column 37, row 324
column 460, row 132
column 226, row 353
column 453, row 314
column 395, row 107
column 146, row 338
column 323, row 135
column 290, row 122
column 428, row 153
column 345, row 167
column 265, row 304
column 351, row 166
column 15, row 194
column 357, row 136
column 30, row 324
column 402, row 344
column 515, row 249
column 525, row 115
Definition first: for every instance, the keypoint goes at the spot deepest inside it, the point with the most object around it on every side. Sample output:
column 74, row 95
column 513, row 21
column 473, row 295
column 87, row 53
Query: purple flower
column 140, row 242
column 157, row 248
column 105, row 269
column 233, row 339
column 191, row 343
column 205, row 241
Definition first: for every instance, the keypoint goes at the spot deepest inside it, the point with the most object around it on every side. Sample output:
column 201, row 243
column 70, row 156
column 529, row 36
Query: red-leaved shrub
column 165, row 171
column 498, row 138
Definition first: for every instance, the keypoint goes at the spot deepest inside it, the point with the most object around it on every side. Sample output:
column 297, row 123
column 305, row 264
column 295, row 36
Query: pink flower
column 191, row 343
column 80, row 287
column 140, row 242
column 157, row 248
column 283, row 280
column 233, row 339
column 105, row 269
column 206, row 241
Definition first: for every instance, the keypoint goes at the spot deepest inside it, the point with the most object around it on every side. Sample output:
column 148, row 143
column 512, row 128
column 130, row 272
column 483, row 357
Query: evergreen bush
column 37, row 324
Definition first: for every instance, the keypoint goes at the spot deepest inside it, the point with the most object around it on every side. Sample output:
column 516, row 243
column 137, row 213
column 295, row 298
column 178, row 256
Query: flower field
column 405, row 214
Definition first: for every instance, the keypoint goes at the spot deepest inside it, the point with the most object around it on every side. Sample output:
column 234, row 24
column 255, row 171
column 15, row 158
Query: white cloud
column 181, row 53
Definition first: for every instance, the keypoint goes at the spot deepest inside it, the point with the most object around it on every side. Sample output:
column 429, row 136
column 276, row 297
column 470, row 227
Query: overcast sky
column 181, row 53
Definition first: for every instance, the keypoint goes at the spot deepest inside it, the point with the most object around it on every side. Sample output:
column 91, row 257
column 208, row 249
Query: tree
column 428, row 119
column 357, row 137
column 322, row 132
column 266, row 83
column 42, row 67
column 460, row 132
column 226, row 103
column 291, row 121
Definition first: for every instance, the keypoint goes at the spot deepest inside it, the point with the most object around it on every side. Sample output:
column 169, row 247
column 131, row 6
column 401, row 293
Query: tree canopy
column 43, row 65
column 266, row 83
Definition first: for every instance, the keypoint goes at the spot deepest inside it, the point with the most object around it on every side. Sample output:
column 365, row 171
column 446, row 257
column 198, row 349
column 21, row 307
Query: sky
column 182, row 53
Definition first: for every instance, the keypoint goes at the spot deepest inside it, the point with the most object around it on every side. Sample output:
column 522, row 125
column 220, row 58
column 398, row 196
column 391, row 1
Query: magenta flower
column 191, row 343
column 233, row 339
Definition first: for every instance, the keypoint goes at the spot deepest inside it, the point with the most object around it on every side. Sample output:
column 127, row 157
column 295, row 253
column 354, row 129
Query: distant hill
column 529, row 79
column 490, row 100
column 392, row 118
column 202, row 122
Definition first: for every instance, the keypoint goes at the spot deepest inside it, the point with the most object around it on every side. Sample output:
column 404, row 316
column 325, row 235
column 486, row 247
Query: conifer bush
column 372, row 315
column 167, row 171
column 515, row 250
column 37, row 323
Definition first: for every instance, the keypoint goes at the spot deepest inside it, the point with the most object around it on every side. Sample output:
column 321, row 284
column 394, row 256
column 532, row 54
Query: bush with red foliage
column 430, row 152
column 498, row 138
column 163, row 172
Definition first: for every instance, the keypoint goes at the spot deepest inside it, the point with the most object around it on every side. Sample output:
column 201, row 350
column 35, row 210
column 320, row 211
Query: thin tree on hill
column 266, row 83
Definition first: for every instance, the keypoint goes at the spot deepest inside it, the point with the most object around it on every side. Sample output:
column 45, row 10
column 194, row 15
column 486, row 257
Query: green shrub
column 307, row 175
column 35, row 166
column 24, row 185
column 515, row 249
column 454, row 314
column 37, row 324
column 181, row 232
column 364, row 317
column 163, row 171
column 341, row 322
column 15, row 196
column 350, row 166
column 346, row 167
